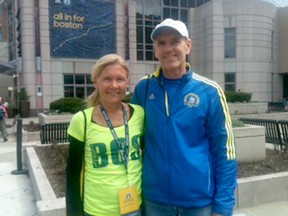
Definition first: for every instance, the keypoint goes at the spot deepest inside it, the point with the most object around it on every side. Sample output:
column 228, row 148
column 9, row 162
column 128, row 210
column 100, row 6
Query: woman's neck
column 114, row 112
column 112, row 108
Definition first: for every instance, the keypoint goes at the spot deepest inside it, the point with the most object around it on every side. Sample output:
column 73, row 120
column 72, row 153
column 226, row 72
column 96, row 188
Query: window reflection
column 151, row 12
column 230, row 42
column 230, row 81
column 79, row 85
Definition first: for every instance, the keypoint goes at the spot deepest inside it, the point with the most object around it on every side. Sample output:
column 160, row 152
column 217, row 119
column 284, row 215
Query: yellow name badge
column 128, row 200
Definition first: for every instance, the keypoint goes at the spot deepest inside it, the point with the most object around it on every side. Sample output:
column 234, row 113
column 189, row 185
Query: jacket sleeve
column 74, row 204
column 223, row 150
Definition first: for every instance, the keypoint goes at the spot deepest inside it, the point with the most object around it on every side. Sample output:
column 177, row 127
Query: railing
column 276, row 106
column 54, row 133
column 276, row 132
column 284, row 132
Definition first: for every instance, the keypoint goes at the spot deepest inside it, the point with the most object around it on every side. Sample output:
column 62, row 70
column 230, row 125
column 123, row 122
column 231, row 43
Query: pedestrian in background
column 110, row 132
column 3, row 116
column 189, row 165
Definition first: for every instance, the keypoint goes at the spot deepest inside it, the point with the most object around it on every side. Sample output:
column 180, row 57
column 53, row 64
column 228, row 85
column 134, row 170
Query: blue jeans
column 153, row 209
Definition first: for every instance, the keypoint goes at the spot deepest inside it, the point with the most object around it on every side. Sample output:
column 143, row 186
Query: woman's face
column 112, row 83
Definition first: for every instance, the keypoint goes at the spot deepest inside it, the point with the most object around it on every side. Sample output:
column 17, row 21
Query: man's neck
column 169, row 74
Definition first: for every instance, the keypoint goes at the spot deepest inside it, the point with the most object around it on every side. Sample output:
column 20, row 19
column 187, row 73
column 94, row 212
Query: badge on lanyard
column 123, row 151
column 128, row 197
column 128, row 201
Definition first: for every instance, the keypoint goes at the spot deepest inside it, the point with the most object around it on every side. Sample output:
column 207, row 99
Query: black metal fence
column 276, row 106
column 276, row 132
column 284, row 131
column 54, row 133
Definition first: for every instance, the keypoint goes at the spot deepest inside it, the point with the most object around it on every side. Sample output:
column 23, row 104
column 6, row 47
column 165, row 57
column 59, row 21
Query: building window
column 230, row 82
column 149, row 13
column 78, row 85
column 230, row 42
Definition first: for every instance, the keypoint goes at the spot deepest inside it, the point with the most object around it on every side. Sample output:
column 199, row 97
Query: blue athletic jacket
column 190, row 157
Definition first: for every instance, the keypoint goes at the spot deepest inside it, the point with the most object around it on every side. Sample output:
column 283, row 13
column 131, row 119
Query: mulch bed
column 53, row 160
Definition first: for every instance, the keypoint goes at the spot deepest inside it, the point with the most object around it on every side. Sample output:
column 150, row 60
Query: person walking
column 105, row 178
column 189, row 164
column 3, row 116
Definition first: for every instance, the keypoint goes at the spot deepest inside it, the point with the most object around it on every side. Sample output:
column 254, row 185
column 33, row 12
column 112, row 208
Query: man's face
column 171, row 50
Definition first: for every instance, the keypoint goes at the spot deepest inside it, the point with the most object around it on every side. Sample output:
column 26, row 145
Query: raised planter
column 251, row 191
column 43, row 119
column 247, row 108
column 46, row 201
column 24, row 108
column 262, row 189
column 250, row 143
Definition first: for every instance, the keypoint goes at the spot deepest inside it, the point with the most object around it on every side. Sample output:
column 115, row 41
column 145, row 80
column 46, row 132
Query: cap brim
column 157, row 31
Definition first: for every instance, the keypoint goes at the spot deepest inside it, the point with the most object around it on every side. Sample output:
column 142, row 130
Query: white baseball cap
column 177, row 25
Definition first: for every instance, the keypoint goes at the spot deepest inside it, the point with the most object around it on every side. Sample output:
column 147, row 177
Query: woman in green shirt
column 111, row 163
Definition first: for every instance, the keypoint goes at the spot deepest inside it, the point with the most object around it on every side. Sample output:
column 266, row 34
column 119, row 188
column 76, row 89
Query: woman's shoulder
column 80, row 116
column 136, row 107
column 137, row 110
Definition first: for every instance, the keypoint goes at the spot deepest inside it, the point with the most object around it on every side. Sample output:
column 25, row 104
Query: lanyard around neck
column 124, row 152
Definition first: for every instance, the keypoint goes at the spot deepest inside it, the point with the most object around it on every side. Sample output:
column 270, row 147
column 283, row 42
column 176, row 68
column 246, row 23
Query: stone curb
column 46, row 201
column 251, row 191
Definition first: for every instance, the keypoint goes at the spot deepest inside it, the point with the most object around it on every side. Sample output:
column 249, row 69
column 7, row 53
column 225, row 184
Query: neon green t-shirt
column 105, row 173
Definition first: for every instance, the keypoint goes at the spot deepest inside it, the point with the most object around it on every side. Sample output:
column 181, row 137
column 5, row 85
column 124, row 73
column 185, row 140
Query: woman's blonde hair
column 101, row 64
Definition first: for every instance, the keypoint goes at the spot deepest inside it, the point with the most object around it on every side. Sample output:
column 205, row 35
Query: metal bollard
column 19, row 150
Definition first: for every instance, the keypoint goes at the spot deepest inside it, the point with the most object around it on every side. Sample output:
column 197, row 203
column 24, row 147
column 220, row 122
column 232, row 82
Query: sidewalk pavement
column 269, row 209
column 16, row 193
column 17, row 198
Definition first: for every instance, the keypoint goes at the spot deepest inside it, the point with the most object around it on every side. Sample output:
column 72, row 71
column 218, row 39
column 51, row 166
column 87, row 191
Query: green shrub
column 237, row 96
column 128, row 98
column 23, row 95
column 69, row 104
column 237, row 123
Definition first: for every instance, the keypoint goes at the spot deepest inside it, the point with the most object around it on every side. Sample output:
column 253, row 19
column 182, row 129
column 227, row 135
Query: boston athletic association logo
column 191, row 100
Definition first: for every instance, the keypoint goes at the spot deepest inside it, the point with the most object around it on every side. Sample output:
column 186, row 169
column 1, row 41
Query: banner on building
column 82, row 28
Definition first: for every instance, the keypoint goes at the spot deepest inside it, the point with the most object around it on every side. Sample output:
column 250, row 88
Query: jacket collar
column 158, row 73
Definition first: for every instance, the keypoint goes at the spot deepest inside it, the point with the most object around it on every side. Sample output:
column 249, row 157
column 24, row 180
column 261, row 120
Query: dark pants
column 3, row 128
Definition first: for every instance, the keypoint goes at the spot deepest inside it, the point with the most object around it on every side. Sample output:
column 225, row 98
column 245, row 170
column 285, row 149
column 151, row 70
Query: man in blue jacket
column 190, row 165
